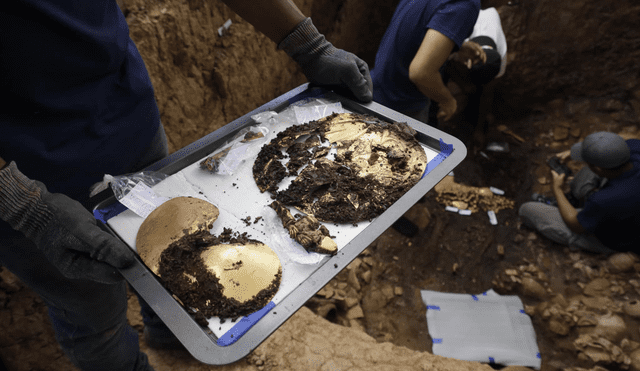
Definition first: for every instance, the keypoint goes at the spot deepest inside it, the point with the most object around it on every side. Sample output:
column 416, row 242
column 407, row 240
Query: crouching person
column 609, row 218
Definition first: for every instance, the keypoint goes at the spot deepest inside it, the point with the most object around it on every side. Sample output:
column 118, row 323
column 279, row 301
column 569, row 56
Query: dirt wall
column 204, row 80
column 570, row 48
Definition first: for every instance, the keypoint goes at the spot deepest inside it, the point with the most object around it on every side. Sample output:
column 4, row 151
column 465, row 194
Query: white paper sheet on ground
column 485, row 328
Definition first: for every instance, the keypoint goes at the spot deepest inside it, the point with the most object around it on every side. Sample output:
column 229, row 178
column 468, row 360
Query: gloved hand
column 62, row 229
column 324, row 64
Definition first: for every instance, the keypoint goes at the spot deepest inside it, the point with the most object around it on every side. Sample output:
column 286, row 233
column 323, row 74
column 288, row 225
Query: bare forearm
column 433, row 87
column 425, row 66
column 274, row 18
column 568, row 212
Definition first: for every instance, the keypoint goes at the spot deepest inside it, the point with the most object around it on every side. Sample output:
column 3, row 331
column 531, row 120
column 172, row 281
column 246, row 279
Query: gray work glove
column 324, row 64
column 62, row 229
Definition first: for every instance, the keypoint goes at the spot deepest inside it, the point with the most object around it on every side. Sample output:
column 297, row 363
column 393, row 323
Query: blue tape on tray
column 492, row 360
column 445, row 151
column 538, row 355
column 243, row 326
column 437, row 341
column 433, row 307
column 475, row 298
column 109, row 212
column 522, row 311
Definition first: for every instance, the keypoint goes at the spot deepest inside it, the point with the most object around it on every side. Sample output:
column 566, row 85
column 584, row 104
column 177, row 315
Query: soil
column 204, row 298
column 331, row 190
column 556, row 91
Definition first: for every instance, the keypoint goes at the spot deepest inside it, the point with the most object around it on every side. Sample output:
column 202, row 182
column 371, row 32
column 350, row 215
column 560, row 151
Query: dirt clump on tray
column 186, row 275
column 375, row 163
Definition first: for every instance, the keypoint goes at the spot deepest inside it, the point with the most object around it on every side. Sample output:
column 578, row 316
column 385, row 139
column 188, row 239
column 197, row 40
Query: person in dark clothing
column 610, row 216
column 417, row 43
column 79, row 104
column 477, row 78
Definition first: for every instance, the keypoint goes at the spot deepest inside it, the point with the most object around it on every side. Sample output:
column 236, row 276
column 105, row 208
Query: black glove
column 62, row 229
column 324, row 64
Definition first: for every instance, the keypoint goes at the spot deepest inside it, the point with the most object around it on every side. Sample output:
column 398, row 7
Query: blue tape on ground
column 437, row 341
column 434, row 307
column 445, row 151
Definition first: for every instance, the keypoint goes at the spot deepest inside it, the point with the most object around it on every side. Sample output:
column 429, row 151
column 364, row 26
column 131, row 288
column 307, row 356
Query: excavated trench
column 563, row 81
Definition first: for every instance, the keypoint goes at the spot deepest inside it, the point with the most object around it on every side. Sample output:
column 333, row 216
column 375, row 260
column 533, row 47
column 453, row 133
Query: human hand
column 324, row 64
column 562, row 156
column 447, row 109
column 470, row 53
column 558, row 180
column 62, row 229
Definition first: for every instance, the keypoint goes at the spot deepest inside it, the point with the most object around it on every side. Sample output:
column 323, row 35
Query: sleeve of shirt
column 455, row 19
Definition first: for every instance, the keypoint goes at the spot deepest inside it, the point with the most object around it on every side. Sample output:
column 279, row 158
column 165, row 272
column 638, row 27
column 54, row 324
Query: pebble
column 622, row 262
column 355, row 312
column 533, row 288
column 597, row 287
column 388, row 293
column 355, row 264
column 398, row 290
column 366, row 276
column 353, row 280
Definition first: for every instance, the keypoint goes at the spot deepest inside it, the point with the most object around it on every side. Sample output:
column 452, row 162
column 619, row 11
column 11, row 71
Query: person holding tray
column 80, row 104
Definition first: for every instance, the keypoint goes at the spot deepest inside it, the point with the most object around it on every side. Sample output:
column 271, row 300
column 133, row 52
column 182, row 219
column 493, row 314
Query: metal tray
column 201, row 342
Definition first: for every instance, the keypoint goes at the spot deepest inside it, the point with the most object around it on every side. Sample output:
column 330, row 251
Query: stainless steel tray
column 201, row 342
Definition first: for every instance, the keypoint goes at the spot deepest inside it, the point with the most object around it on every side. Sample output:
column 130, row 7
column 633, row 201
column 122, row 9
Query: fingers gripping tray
column 244, row 209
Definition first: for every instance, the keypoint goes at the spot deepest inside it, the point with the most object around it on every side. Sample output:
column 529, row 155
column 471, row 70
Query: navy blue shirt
column 412, row 18
column 77, row 99
column 613, row 213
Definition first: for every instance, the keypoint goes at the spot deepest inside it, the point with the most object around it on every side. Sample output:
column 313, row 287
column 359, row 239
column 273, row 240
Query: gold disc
column 170, row 221
column 242, row 269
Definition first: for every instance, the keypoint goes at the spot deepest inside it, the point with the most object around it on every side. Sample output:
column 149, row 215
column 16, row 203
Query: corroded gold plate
column 170, row 221
column 244, row 270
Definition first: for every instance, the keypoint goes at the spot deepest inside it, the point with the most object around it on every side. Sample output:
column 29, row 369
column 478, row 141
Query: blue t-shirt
column 412, row 18
column 78, row 102
column 613, row 213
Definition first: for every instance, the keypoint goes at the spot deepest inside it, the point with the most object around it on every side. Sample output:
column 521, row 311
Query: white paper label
column 464, row 212
column 492, row 217
column 496, row 191
column 452, row 209
column 142, row 200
